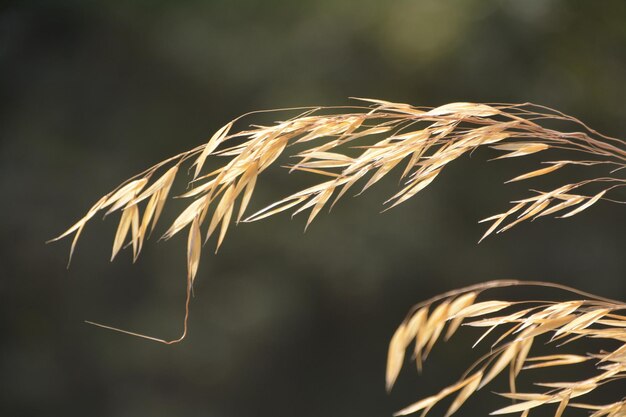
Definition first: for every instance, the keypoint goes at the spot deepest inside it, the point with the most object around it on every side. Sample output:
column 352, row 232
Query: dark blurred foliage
column 283, row 323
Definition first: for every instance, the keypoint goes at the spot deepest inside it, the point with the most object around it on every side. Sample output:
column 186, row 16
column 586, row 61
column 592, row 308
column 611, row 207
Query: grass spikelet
column 521, row 323
column 346, row 145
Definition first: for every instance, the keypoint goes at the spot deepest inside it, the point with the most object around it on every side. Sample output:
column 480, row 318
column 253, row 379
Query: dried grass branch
column 518, row 324
column 348, row 145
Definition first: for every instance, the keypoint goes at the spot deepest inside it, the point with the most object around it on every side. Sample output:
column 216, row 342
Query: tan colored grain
column 591, row 317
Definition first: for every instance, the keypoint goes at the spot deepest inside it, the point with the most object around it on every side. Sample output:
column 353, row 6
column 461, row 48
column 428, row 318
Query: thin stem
column 152, row 338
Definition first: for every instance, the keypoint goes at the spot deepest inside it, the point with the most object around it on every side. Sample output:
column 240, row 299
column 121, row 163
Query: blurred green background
column 283, row 323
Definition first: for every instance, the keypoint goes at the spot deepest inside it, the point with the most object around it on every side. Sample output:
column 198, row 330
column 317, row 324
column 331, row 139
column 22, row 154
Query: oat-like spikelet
column 519, row 324
column 346, row 145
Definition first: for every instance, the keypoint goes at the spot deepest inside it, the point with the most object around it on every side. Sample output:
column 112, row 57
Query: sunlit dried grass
column 346, row 145
column 518, row 325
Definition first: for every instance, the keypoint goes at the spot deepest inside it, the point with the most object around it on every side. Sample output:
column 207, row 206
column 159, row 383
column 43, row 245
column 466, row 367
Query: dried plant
column 348, row 145
column 519, row 324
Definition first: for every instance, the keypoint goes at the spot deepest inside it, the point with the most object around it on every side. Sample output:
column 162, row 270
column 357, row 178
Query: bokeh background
column 283, row 323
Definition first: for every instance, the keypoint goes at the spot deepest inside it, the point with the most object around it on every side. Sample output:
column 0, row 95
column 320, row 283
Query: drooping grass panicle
column 361, row 144
column 519, row 324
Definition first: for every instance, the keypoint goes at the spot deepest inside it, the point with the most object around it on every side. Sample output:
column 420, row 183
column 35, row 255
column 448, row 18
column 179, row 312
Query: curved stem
column 152, row 338
column 508, row 283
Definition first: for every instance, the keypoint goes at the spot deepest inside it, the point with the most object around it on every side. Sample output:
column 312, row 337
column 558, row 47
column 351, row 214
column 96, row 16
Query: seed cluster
column 524, row 322
column 350, row 145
